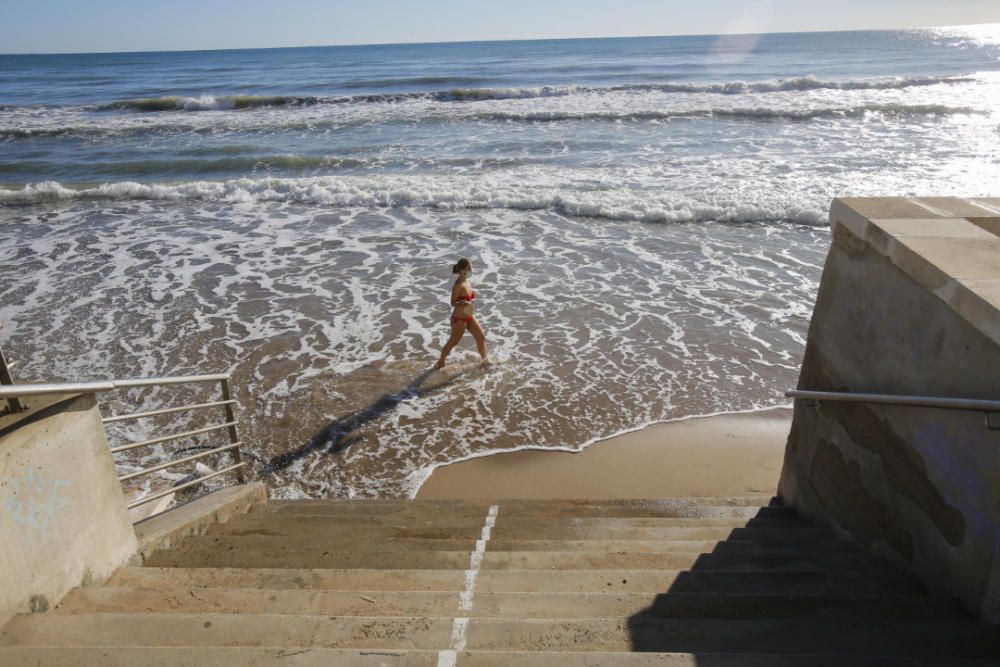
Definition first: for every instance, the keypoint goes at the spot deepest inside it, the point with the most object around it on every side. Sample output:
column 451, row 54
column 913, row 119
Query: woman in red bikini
column 462, row 317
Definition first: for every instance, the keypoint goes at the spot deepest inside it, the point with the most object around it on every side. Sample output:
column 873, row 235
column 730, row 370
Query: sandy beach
column 725, row 455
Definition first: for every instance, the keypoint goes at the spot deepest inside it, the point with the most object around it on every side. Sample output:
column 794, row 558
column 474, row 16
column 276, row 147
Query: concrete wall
column 62, row 515
column 909, row 304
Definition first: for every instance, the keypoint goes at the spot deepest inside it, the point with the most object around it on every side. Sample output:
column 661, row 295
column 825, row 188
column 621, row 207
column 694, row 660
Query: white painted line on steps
column 476, row 560
column 460, row 626
column 458, row 629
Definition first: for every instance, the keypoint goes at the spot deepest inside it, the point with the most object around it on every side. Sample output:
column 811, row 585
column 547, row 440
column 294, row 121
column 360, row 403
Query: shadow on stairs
column 784, row 592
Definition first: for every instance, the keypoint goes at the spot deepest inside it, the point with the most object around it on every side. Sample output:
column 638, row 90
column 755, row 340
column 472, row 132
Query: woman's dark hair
column 462, row 265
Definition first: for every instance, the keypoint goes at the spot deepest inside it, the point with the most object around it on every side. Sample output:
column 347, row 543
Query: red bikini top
column 468, row 297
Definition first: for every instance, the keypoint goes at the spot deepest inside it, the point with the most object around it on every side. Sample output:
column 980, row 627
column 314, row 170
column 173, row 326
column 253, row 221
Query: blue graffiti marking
column 34, row 500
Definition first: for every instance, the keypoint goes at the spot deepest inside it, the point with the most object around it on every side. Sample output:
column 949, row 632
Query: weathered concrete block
column 910, row 306
column 62, row 515
column 194, row 518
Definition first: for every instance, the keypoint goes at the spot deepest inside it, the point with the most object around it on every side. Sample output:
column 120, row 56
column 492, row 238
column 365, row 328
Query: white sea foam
column 330, row 321
column 445, row 194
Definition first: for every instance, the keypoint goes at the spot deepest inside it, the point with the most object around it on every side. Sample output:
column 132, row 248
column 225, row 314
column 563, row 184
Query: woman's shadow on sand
column 341, row 433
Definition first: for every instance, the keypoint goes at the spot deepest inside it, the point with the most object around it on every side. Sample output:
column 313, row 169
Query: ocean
column 646, row 218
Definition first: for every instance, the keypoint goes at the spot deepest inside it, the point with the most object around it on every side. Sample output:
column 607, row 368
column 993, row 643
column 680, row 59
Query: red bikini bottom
column 461, row 319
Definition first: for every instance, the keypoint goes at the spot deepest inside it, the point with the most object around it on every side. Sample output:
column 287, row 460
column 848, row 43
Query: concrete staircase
column 711, row 582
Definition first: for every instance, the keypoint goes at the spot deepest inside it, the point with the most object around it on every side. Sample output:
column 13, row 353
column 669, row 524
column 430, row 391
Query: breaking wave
column 465, row 94
column 447, row 194
column 737, row 114
column 206, row 103
column 530, row 116
column 803, row 84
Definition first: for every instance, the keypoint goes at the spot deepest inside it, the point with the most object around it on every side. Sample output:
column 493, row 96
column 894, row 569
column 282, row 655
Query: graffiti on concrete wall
column 34, row 500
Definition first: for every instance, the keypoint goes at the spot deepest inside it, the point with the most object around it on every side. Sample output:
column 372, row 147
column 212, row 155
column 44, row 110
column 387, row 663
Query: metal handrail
column 177, row 462
column 176, row 436
column 6, row 379
column 895, row 399
column 181, row 487
column 97, row 387
column 178, row 379
column 165, row 411
column 229, row 425
column 12, row 392
column 40, row 389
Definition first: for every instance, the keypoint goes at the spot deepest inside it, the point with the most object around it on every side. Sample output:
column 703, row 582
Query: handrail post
column 13, row 403
column 234, row 437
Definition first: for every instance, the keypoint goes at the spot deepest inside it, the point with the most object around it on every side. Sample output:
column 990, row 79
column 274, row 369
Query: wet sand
column 726, row 455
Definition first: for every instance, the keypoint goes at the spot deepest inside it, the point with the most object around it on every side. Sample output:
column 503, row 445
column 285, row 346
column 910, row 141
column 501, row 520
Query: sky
column 79, row 26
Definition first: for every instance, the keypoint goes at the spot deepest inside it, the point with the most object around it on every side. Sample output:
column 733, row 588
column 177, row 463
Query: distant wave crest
column 206, row 103
column 805, row 83
column 443, row 194
column 749, row 114
column 759, row 113
column 238, row 102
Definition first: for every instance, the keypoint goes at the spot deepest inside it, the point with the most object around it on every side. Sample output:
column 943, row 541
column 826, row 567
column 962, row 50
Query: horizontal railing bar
column 181, row 487
column 36, row 389
column 165, row 411
column 15, row 390
column 171, row 464
column 893, row 399
column 180, row 379
column 175, row 436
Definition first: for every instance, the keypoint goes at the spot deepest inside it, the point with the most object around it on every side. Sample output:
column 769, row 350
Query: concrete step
column 501, row 605
column 783, row 561
column 592, row 511
column 697, row 582
column 582, row 581
column 780, row 534
column 782, row 636
column 217, row 657
column 312, row 526
column 326, row 657
column 664, row 546
column 281, row 522
column 289, row 578
column 306, row 526
column 271, row 630
column 193, row 553
column 574, row 507
column 596, row 659
column 372, row 543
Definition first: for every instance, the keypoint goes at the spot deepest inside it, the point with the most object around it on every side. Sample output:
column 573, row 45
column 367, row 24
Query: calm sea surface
column 646, row 219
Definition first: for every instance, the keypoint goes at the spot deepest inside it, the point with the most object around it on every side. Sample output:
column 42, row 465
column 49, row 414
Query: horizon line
column 489, row 41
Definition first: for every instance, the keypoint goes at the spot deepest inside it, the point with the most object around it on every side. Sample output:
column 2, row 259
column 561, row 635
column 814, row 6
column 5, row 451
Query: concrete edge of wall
column 164, row 530
column 935, row 241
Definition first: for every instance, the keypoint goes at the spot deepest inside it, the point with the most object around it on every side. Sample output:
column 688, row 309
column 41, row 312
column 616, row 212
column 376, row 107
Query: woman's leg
column 477, row 333
column 457, row 331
